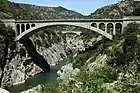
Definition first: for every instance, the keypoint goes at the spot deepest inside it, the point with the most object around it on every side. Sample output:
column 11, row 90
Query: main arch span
column 32, row 30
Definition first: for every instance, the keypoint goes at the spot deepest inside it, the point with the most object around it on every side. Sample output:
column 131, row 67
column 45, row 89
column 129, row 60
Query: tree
column 136, row 11
column 7, row 36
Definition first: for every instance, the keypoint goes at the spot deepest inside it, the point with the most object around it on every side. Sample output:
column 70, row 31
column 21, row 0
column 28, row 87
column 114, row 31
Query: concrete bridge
column 105, row 27
column 73, row 32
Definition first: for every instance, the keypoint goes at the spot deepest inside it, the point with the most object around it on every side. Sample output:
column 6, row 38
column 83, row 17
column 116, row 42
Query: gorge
column 101, row 65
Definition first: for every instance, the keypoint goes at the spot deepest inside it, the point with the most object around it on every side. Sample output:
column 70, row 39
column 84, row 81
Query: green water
column 42, row 78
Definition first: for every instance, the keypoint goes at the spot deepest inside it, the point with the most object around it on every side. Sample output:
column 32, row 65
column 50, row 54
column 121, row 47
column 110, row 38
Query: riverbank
column 42, row 78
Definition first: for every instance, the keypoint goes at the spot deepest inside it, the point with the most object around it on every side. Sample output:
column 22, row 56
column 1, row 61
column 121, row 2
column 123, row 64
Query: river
column 42, row 78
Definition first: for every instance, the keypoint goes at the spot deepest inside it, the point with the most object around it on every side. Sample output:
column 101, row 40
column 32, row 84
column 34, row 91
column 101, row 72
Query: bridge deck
column 75, row 20
column 71, row 20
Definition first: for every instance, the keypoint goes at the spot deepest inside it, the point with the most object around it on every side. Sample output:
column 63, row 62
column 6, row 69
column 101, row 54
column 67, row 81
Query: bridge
column 71, row 32
column 25, row 28
column 106, row 27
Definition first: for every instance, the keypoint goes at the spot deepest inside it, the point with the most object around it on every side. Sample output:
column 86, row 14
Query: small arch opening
column 18, row 29
column 94, row 25
column 32, row 25
column 118, row 27
column 27, row 26
column 110, row 28
column 22, row 27
column 102, row 26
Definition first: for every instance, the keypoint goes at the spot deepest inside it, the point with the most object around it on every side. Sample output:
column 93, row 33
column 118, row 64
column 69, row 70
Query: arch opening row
column 109, row 28
column 23, row 27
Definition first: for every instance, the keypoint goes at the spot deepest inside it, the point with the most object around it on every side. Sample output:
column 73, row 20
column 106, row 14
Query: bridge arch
column 22, row 27
column 33, row 25
column 110, row 27
column 118, row 27
column 27, row 26
column 34, row 29
column 102, row 26
column 94, row 25
column 18, row 28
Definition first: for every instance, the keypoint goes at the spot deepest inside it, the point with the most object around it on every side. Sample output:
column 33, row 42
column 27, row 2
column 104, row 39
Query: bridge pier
column 114, row 29
column 25, row 26
column 97, row 25
column 106, row 27
column 20, row 29
column 122, row 29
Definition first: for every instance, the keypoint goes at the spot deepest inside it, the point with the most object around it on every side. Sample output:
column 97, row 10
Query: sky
column 84, row 7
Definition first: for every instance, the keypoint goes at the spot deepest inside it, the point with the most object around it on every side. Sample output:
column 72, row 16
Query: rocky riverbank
column 22, row 66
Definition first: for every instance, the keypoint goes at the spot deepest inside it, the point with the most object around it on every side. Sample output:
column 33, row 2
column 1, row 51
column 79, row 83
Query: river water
column 42, row 78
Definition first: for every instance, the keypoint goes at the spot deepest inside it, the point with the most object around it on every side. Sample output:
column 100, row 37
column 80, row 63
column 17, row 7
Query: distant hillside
column 123, row 8
column 10, row 10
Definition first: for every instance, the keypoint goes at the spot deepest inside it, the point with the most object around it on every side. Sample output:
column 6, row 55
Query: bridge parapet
column 131, row 17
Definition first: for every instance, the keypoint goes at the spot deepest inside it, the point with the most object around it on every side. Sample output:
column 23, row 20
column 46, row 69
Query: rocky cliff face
column 19, row 68
column 64, row 44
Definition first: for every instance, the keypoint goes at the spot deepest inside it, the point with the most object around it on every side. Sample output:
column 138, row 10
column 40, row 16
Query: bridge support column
column 30, row 25
column 25, row 27
column 114, row 29
column 106, row 27
column 20, row 29
column 122, row 29
column 97, row 25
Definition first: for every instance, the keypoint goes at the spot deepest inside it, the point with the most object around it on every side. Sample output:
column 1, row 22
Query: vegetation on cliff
column 11, row 10
column 7, row 37
column 119, row 73
column 118, row 10
column 7, row 45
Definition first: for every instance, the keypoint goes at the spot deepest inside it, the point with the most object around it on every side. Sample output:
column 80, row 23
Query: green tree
column 7, row 41
column 136, row 11
column 7, row 36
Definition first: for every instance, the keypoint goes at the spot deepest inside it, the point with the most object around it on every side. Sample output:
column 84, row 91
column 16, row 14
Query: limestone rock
column 53, row 54
column 67, row 72
column 100, row 59
column 19, row 69
column 3, row 91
